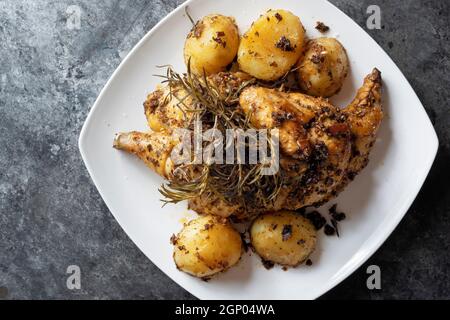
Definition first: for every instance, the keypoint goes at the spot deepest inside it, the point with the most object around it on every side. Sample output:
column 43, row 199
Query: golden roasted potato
column 272, row 45
column 323, row 68
column 206, row 246
column 212, row 44
column 283, row 237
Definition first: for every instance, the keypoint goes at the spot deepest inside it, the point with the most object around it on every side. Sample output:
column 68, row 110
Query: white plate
column 375, row 202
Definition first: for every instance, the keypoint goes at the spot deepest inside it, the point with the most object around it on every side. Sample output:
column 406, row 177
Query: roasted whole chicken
column 322, row 147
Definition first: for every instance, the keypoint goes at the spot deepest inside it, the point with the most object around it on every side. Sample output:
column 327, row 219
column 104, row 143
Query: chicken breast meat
column 322, row 147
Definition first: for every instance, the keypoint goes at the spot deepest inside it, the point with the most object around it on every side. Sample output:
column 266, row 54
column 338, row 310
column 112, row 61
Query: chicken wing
column 152, row 148
column 364, row 115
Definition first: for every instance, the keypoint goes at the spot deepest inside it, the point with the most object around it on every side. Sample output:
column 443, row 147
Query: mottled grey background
column 51, row 215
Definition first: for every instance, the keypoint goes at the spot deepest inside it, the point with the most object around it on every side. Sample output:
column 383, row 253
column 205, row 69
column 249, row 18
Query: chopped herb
column 219, row 40
column 329, row 230
column 322, row 27
column 173, row 239
column 317, row 58
column 340, row 216
column 284, row 44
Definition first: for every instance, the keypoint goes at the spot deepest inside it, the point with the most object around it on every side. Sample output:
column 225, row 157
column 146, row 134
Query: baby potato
column 206, row 246
column 212, row 44
column 324, row 67
column 272, row 45
column 283, row 237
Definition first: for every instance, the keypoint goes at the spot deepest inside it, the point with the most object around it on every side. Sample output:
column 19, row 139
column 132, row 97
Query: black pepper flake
column 173, row 239
column 267, row 264
column 319, row 153
column 287, row 232
column 351, row 175
column 309, row 262
column 317, row 58
column 284, row 44
column 219, row 40
column 330, row 74
column 329, row 181
column 274, row 226
column 340, row 216
column 329, row 230
column 278, row 16
column 322, row 27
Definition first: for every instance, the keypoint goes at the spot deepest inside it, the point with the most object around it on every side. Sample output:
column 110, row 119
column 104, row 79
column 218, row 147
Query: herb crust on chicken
column 322, row 147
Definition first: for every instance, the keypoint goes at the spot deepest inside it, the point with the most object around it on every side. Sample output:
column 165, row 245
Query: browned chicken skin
column 322, row 147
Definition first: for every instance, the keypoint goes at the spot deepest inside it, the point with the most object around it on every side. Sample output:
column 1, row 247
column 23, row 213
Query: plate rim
column 376, row 245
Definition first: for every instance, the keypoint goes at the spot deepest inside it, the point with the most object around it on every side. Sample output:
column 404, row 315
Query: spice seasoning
column 322, row 27
column 329, row 230
column 284, row 44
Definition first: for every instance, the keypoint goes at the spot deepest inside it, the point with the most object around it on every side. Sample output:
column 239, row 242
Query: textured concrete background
column 51, row 215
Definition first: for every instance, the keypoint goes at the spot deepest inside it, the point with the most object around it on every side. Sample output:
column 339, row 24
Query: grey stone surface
column 51, row 215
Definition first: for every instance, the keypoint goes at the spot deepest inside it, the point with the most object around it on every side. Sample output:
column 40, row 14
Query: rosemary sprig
column 236, row 183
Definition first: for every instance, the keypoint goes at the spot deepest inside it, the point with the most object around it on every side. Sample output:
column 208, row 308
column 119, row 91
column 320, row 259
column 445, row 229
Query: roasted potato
column 212, row 44
column 206, row 246
column 323, row 68
column 272, row 45
column 283, row 237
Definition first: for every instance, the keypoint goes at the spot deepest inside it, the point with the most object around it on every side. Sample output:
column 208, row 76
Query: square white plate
column 375, row 202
